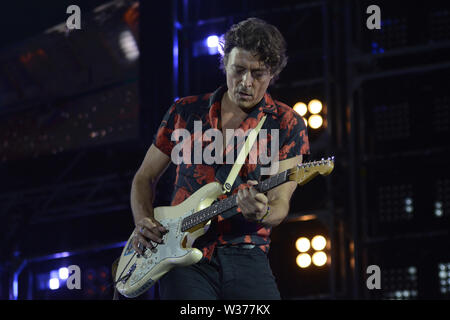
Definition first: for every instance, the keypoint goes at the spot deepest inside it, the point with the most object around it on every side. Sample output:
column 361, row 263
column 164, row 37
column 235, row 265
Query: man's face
column 247, row 78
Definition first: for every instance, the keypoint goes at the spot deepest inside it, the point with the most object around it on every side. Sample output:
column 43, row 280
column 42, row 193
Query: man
column 235, row 264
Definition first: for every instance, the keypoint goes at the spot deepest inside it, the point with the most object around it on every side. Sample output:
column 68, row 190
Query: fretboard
column 230, row 202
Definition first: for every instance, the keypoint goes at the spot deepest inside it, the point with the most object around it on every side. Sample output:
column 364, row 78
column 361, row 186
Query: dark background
column 77, row 117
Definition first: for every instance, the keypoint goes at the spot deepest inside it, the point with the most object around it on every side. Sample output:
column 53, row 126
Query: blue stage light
column 212, row 41
column 53, row 283
column 63, row 273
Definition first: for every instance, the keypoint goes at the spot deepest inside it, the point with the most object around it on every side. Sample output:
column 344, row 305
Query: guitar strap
column 242, row 155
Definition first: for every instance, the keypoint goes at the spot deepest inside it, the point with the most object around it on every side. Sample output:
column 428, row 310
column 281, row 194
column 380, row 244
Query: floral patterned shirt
column 203, row 112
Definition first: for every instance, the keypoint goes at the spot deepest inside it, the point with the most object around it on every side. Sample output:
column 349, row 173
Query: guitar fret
column 281, row 177
column 263, row 186
column 273, row 181
column 266, row 185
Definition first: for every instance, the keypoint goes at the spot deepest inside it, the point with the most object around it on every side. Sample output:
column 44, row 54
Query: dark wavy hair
column 259, row 37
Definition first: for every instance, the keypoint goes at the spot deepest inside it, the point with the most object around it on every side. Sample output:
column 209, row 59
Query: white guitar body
column 177, row 248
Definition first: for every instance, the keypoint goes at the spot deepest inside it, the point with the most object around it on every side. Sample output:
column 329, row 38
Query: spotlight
column 212, row 45
column 128, row 45
column 319, row 258
column 400, row 283
column 315, row 121
column 212, row 41
column 438, row 209
column 301, row 108
column 303, row 260
column 91, row 275
column 318, row 242
column 409, row 208
column 302, row 244
column 444, row 278
column 63, row 273
column 53, row 283
column 315, row 106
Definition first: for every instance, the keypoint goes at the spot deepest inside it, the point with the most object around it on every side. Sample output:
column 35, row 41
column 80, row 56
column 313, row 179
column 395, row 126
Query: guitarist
column 235, row 263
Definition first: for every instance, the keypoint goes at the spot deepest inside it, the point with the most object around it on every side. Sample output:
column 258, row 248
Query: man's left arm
column 274, row 206
column 280, row 197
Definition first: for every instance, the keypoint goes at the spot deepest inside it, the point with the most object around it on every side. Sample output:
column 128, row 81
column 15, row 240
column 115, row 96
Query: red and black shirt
column 205, row 109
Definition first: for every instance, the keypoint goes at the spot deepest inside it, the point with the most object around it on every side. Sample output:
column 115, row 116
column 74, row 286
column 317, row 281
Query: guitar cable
column 113, row 283
column 131, row 258
column 128, row 274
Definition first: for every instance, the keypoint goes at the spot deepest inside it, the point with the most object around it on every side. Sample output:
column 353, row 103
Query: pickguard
column 170, row 251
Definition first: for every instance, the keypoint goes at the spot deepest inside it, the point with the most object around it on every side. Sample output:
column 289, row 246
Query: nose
column 247, row 79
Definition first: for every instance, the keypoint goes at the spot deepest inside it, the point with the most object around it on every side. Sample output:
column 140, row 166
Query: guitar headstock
column 305, row 172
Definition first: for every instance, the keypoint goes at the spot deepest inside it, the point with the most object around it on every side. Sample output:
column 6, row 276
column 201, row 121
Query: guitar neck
column 219, row 207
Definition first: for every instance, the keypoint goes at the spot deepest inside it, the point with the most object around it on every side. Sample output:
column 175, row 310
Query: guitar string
column 269, row 181
column 227, row 201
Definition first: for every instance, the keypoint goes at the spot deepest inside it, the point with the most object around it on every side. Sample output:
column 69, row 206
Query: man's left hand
column 253, row 204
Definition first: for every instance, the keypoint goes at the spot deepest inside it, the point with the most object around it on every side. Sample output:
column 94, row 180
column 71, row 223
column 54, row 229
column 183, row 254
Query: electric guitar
column 188, row 221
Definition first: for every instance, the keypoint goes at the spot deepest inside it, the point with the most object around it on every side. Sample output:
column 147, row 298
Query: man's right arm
column 142, row 196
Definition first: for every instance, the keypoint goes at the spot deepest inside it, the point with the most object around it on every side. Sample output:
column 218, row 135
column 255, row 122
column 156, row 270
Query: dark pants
column 232, row 273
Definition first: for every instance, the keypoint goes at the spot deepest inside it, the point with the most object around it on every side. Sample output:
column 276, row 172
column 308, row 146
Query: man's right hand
column 142, row 196
column 147, row 230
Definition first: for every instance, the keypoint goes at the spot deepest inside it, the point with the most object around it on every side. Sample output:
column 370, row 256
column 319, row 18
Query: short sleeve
column 295, row 140
column 162, row 139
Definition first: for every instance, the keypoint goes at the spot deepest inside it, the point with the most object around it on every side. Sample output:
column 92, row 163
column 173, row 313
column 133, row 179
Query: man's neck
column 231, row 115
column 227, row 105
